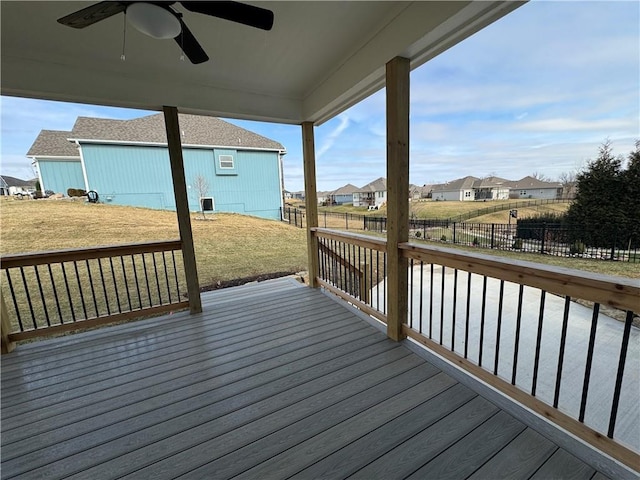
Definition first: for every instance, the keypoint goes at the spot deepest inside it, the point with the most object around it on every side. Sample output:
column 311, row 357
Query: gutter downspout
column 281, row 154
column 84, row 168
column 37, row 167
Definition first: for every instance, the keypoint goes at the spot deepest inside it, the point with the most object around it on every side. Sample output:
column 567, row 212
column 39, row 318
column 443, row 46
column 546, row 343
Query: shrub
column 517, row 244
column 418, row 234
column 577, row 247
column 475, row 242
column 443, row 238
column 76, row 192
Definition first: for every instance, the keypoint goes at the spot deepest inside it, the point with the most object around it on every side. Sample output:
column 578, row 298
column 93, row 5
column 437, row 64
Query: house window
column 467, row 194
column 523, row 192
column 206, row 203
column 225, row 161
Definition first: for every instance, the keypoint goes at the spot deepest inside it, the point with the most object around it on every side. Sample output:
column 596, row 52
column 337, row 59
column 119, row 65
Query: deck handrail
column 561, row 283
column 56, row 291
column 71, row 254
column 616, row 292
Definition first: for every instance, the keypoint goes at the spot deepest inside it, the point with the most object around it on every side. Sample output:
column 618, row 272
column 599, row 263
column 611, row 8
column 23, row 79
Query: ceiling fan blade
column 190, row 45
column 93, row 14
column 234, row 11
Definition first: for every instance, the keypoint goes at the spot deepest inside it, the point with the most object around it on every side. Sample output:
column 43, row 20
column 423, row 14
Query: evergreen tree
column 631, row 199
column 597, row 216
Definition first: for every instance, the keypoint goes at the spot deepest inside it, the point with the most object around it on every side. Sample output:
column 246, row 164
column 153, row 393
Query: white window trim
column 226, row 158
column 213, row 204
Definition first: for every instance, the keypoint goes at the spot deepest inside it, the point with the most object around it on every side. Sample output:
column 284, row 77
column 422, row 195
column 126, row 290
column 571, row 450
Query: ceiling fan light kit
column 153, row 20
column 160, row 20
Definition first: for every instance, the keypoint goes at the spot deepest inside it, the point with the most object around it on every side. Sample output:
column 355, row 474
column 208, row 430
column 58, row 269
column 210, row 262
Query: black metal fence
column 550, row 239
column 508, row 206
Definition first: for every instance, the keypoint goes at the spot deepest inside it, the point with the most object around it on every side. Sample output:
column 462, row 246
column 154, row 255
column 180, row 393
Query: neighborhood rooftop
column 196, row 130
column 53, row 143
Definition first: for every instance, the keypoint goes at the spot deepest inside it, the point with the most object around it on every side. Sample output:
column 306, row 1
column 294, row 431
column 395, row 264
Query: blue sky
column 537, row 91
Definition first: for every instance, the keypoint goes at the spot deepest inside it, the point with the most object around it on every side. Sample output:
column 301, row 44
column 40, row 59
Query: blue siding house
column 58, row 161
column 127, row 163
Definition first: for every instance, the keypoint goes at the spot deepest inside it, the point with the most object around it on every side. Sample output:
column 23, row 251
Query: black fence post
column 346, row 221
column 454, row 233
column 325, row 219
column 295, row 216
column 493, row 233
column 544, row 234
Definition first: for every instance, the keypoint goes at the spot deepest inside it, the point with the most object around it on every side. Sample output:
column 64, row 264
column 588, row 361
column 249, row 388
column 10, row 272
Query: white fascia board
column 35, row 158
column 184, row 145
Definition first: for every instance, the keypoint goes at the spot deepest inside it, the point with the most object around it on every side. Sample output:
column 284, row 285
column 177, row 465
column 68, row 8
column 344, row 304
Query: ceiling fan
column 160, row 20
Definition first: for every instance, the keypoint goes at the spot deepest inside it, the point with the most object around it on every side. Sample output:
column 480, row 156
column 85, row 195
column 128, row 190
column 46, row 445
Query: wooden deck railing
column 354, row 270
column 50, row 292
column 516, row 326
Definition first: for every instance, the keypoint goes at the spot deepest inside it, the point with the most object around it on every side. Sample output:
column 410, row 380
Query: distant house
column 530, row 187
column 4, row 186
column 298, row 195
column 472, row 188
column 372, row 194
column 456, row 190
column 322, row 196
column 416, row 192
column 127, row 163
column 342, row 195
column 287, row 194
column 491, row 188
column 15, row 186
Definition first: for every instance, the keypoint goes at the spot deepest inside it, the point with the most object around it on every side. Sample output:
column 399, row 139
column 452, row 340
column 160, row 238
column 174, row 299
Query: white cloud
column 539, row 90
column 330, row 139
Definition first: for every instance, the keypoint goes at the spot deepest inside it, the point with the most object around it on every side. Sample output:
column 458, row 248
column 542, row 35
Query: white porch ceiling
column 319, row 59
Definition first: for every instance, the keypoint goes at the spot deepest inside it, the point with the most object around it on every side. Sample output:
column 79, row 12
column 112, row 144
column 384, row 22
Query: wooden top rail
column 617, row 292
column 75, row 254
column 355, row 238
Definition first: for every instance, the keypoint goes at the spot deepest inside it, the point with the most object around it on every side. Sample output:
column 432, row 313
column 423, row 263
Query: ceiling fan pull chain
column 124, row 37
column 181, row 45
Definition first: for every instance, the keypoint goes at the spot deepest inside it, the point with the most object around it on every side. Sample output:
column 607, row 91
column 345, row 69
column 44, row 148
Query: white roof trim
column 184, row 145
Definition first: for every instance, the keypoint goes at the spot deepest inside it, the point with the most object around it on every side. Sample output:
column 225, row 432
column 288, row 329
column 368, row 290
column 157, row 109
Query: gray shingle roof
column 458, row 184
column 53, row 143
column 347, row 189
column 531, row 182
column 490, row 182
column 17, row 182
column 196, row 130
column 378, row 185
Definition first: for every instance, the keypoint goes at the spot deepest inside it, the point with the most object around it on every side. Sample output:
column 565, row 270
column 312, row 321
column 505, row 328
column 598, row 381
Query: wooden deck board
column 171, row 349
column 345, row 460
column 564, row 465
column 272, row 380
column 124, row 413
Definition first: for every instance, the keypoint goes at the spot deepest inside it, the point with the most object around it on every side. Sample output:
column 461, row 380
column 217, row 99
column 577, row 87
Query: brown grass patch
column 228, row 246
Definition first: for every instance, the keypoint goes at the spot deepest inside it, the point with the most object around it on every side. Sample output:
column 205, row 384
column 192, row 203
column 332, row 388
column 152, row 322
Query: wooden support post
column 310, row 200
column 182, row 207
column 397, row 86
column 7, row 346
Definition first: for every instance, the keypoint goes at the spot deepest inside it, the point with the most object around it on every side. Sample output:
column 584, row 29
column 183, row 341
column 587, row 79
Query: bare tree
column 540, row 176
column 568, row 181
column 201, row 187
